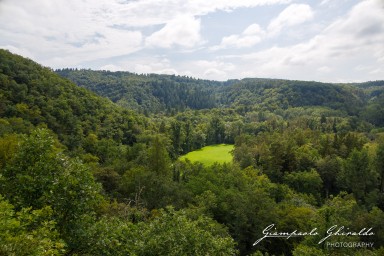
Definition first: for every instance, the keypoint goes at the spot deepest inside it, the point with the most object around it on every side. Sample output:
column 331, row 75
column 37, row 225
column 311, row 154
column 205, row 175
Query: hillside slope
column 32, row 95
column 146, row 93
column 158, row 93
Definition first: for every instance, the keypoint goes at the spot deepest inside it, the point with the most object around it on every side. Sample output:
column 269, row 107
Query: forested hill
column 157, row 93
column 147, row 93
column 31, row 95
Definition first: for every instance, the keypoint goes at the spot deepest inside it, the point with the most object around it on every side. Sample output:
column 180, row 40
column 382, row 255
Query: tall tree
column 216, row 131
column 158, row 157
column 379, row 164
column 39, row 175
column 358, row 175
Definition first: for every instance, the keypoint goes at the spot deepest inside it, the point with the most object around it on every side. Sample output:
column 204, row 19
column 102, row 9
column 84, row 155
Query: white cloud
column 253, row 29
column 143, row 35
column 142, row 65
column 201, row 7
column 111, row 67
column 360, row 33
column 324, row 69
column 251, row 36
column 378, row 71
column 182, row 31
column 69, row 32
column 211, row 70
column 215, row 74
column 293, row 15
column 344, row 45
column 63, row 33
column 324, row 2
column 154, row 12
column 150, row 69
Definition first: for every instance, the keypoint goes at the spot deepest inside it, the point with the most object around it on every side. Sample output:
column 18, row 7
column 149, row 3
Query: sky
column 315, row 40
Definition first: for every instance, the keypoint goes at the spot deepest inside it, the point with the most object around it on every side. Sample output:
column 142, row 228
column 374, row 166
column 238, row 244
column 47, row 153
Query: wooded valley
column 89, row 164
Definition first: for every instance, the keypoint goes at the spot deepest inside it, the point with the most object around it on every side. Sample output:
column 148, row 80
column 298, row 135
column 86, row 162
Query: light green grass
column 211, row 154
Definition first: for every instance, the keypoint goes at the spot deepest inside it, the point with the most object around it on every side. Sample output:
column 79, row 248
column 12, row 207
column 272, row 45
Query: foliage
column 168, row 232
column 146, row 93
column 38, row 96
column 156, row 93
column 174, row 233
column 28, row 232
column 38, row 175
column 81, row 174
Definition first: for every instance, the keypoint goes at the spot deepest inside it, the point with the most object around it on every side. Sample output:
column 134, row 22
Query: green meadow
column 210, row 154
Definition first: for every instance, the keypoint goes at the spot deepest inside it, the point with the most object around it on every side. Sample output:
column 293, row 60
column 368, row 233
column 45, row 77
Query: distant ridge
column 158, row 93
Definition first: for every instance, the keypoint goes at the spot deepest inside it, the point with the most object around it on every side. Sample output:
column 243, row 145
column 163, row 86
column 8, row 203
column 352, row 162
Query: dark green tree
column 39, row 175
column 28, row 232
column 216, row 131
column 358, row 175
column 379, row 164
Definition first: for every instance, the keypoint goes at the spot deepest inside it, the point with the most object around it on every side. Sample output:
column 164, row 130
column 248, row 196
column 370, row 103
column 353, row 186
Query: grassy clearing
column 211, row 154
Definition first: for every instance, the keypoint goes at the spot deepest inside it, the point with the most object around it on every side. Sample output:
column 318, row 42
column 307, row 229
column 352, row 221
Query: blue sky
column 324, row 40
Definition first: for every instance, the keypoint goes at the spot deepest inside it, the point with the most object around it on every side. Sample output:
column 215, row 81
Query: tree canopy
column 89, row 163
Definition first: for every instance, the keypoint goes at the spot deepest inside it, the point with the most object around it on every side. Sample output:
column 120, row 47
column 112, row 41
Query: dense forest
column 163, row 93
column 89, row 164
